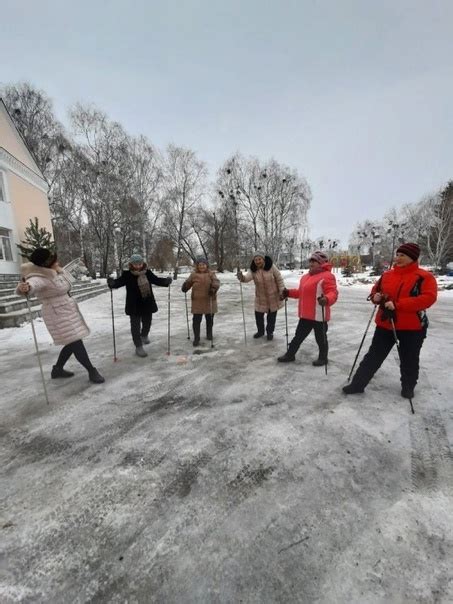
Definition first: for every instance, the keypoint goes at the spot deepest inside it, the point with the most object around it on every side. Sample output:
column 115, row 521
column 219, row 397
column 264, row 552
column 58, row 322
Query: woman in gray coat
column 44, row 278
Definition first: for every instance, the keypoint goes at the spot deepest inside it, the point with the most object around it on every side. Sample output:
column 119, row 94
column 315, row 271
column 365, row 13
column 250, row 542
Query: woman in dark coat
column 140, row 301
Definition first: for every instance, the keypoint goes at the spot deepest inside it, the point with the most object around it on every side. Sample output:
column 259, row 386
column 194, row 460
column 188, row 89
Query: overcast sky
column 357, row 95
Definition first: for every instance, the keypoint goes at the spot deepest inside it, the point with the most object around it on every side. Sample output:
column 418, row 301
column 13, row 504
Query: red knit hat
column 410, row 249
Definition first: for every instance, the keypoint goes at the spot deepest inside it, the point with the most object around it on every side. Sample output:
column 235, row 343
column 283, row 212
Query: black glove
column 168, row 281
column 110, row 282
column 284, row 294
column 322, row 300
column 388, row 314
column 212, row 292
column 184, row 288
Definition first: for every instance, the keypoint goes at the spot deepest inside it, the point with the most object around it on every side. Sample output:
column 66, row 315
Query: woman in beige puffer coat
column 268, row 288
column 204, row 284
column 44, row 278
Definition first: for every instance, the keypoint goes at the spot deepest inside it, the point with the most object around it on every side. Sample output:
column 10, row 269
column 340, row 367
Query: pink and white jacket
column 310, row 288
column 59, row 311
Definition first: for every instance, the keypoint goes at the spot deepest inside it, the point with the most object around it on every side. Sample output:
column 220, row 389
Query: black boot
column 320, row 362
column 59, row 372
column 196, row 333
column 258, row 334
column 95, row 376
column 407, row 392
column 270, row 336
column 353, row 389
column 286, row 358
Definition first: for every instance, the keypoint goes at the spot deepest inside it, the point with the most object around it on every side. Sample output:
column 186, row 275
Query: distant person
column 140, row 301
column 45, row 279
column 268, row 288
column 403, row 293
column 204, row 285
column 317, row 289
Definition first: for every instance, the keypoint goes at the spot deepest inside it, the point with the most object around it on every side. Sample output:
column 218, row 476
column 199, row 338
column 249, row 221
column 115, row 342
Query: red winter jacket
column 411, row 289
column 310, row 288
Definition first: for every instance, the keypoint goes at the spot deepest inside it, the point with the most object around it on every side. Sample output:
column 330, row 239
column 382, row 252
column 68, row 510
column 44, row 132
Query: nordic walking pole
column 36, row 345
column 286, row 322
column 239, row 268
column 168, row 323
column 361, row 343
column 243, row 314
column 399, row 354
column 324, row 334
column 212, row 322
column 187, row 316
column 115, row 358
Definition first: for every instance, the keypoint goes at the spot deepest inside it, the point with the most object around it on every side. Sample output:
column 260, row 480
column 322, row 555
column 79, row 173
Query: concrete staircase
column 13, row 308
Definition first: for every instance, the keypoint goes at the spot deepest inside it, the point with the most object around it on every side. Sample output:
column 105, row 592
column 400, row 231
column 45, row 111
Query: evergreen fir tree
column 35, row 236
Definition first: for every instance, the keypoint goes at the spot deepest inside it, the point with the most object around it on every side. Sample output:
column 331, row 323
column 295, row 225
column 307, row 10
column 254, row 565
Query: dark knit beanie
column 410, row 249
column 201, row 260
column 43, row 257
column 319, row 257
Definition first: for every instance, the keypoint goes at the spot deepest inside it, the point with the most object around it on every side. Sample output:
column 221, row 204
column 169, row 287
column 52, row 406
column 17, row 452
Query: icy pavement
column 225, row 477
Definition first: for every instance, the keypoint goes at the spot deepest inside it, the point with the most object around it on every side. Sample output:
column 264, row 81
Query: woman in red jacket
column 403, row 294
column 317, row 288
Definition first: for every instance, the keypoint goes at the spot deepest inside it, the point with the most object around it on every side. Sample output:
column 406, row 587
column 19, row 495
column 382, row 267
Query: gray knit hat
column 260, row 254
column 136, row 259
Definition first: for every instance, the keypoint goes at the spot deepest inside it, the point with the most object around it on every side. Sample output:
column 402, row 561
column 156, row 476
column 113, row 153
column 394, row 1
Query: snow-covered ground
column 225, row 476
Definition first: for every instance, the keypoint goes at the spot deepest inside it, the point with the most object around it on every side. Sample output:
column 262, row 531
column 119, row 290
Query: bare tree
column 185, row 184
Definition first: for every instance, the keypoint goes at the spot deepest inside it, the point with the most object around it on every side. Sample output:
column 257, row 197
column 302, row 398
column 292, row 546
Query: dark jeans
column 140, row 326
column 271, row 318
column 304, row 327
column 79, row 351
column 196, row 325
column 383, row 341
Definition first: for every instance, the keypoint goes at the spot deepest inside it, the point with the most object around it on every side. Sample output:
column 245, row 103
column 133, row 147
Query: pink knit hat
column 319, row 257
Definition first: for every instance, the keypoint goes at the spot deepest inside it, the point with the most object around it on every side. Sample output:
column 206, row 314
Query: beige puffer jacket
column 201, row 284
column 60, row 312
column 268, row 286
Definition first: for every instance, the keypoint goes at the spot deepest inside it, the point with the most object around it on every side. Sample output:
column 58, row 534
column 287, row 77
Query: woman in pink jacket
column 44, row 278
column 317, row 289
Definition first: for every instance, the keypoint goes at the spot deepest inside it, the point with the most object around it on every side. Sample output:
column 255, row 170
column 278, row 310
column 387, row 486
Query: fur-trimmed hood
column 267, row 264
column 28, row 269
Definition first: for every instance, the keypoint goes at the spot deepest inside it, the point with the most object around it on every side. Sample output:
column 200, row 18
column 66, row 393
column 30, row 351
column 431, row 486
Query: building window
column 5, row 245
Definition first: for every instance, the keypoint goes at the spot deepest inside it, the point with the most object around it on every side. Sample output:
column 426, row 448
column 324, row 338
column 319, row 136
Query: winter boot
column 145, row 339
column 140, row 352
column 320, row 362
column 95, row 376
column 286, row 358
column 407, row 392
column 353, row 389
column 270, row 337
column 258, row 334
column 59, row 372
column 196, row 333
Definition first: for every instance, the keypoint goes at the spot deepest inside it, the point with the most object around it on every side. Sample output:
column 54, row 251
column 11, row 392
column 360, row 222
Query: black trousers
column 79, row 351
column 382, row 343
column 304, row 327
column 271, row 318
column 196, row 325
column 140, row 326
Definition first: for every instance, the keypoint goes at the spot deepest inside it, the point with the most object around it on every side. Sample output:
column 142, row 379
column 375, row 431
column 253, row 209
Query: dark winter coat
column 135, row 303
